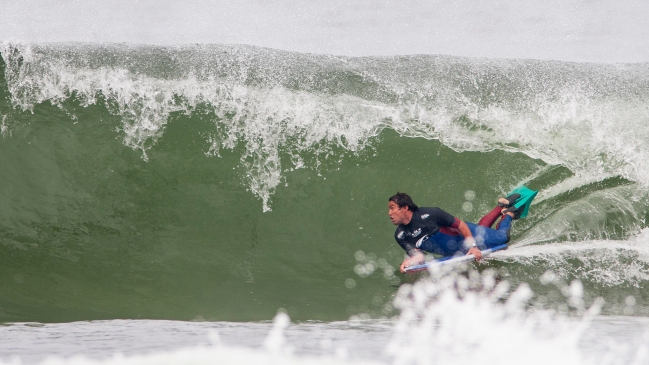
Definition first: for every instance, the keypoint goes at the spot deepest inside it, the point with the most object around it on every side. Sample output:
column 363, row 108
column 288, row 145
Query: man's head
column 400, row 208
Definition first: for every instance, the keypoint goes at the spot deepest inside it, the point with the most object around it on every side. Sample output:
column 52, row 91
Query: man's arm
column 469, row 241
column 416, row 258
column 444, row 219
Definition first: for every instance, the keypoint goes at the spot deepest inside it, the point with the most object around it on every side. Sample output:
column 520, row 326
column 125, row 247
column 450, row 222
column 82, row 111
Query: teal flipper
column 527, row 195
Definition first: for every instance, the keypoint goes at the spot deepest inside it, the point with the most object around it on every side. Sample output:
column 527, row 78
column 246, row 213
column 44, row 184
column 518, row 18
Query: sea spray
column 275, row 350
column 456, row 316
column 460, row 316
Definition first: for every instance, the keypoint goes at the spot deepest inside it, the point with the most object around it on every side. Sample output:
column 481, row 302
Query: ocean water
column 166, row 204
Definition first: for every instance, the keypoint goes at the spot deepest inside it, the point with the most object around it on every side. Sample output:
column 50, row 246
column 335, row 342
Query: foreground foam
column 203, row 355
column 451, row 317
column 464, row 318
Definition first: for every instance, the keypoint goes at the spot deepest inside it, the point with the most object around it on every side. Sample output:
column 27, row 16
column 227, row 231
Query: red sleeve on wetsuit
column 456, row 223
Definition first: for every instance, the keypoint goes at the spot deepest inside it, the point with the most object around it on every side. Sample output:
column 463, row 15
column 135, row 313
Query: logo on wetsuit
column 420, row 241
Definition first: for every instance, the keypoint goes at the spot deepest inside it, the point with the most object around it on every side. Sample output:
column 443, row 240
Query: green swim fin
column 527, row 195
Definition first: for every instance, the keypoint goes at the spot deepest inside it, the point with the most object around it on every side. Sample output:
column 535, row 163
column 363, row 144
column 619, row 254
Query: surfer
column 434, row 230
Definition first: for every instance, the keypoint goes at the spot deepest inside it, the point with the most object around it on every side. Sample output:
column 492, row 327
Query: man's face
column 398, row 215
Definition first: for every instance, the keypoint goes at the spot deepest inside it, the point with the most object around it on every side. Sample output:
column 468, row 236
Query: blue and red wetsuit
column 434, row 230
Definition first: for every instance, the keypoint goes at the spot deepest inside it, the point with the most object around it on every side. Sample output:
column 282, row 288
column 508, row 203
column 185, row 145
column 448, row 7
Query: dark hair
column 403, row 200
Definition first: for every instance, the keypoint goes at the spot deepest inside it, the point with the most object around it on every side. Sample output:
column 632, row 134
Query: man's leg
column 490, row 218
column 487, row 237
column 443, row 244
column 501, row 234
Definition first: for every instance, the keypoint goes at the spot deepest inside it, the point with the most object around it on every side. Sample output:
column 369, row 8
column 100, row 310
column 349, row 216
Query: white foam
column 605, row 262
column 465, row 319
column 231, row 355
column 450, row 318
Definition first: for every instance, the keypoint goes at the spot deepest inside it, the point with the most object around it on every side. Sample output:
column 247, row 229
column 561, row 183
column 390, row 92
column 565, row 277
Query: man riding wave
column 434, row 230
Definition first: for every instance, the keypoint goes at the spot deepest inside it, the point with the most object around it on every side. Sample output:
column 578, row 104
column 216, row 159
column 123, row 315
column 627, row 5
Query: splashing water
column 462, row 317
column 450, row 317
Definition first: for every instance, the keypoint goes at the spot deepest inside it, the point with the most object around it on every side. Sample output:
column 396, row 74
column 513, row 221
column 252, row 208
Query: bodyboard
column 452, row 260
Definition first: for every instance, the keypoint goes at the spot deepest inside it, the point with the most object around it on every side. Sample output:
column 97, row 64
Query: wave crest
column 590, row 118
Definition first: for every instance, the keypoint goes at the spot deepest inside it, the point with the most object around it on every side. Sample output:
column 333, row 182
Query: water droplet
column 467, row 207
column 359, row 255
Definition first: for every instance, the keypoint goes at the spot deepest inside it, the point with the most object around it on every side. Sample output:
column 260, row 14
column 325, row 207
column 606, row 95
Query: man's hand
column 469, row 241
column 415, row 259
column 475, row 252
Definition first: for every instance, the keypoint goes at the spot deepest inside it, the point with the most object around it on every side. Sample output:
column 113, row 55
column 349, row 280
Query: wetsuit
column 434, row 230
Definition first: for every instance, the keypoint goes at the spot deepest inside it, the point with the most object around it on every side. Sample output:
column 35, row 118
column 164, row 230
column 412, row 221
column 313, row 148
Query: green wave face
column 225, row 183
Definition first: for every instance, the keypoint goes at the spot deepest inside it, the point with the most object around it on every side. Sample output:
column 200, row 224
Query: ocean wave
column 589, row 118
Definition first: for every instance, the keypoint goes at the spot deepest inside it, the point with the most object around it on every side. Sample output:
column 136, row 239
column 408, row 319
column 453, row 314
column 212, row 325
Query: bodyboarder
column 434, row 230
